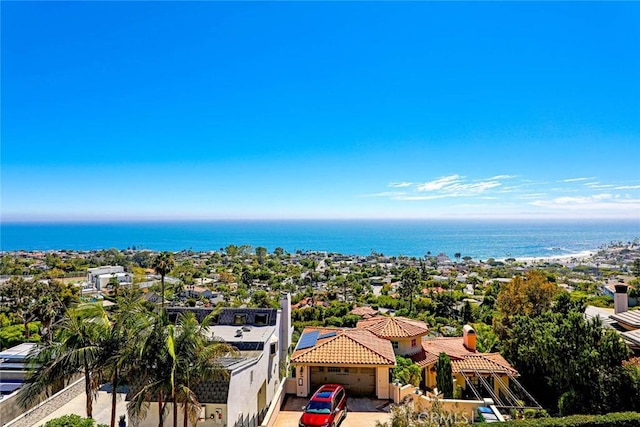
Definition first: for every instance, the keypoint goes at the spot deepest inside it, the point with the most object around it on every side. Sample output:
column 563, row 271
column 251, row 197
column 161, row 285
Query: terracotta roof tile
column 394, row 327
column 424, row 358
column 480, row 363
column 348, row 346
column 364, row 311
column 462, row 359
column 452, row 346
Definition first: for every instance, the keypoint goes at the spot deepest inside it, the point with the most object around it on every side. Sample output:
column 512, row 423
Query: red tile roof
column 462, row 359
column 364, row 311
column 394, row 327
column 347, row 347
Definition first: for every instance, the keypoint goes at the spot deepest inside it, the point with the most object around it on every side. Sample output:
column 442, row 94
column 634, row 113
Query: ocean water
column 477, row 239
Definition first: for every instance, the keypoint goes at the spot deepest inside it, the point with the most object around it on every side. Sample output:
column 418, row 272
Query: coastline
column 560, row 259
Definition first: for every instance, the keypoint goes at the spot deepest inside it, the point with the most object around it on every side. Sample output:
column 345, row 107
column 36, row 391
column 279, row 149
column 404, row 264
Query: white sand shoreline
column 579, row 256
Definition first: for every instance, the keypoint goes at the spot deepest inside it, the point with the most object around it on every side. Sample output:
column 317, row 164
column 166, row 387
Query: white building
column 263, row 339
column 99, row 277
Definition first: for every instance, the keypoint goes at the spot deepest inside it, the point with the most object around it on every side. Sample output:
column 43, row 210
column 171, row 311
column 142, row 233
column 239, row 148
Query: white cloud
column 580, row 196
column 456, row 186
column 598, row 185
column 439, row 183
column 400, row 184
column 419, row 197
column 596, row 202
column 576, row 179
column 502, row 177
column 627, row 187
column 531, row 196
column 384, row 194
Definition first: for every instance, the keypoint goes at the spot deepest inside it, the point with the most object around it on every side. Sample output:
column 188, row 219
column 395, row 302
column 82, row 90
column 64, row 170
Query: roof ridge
column 489, row 356
column 487, row 359
column 366, row 344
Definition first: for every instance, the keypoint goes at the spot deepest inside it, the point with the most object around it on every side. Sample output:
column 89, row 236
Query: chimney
column 620, row 299
column 285, row 332
column 469, row 338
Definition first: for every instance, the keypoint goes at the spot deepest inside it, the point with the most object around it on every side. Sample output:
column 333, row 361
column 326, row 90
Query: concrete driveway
column 362, row 412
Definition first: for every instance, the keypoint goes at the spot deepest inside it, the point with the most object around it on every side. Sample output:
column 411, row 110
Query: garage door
column 357, row 381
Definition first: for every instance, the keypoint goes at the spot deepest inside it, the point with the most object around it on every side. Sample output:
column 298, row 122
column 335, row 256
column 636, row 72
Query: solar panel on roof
column 307, row 340
column 328, row 334
column 6, row 388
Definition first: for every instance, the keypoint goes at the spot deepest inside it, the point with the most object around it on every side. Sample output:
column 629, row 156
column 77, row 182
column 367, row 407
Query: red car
column 326, row 408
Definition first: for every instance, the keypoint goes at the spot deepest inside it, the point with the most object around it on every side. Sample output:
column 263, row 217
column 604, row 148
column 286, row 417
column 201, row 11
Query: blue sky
column 163, row 110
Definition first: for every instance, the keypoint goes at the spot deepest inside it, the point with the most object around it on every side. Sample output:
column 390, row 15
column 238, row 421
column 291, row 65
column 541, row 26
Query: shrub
column 72, row 421
column 615, row 419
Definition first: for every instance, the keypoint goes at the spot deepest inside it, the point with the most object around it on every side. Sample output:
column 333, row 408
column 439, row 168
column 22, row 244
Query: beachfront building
column 262, row 337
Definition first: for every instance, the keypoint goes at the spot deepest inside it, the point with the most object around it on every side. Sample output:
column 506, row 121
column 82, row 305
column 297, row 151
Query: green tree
column 129, row 324
column 163, row 263
column 407, row 372
column 150, row 370
column 444, row 377
column 261, row 254
column 410, row 279
column 567, row 361
column 22, row 296
column 466, row 312
column 114, row 285
column 78, row 349
column 635, row 267
column 260, row 298
column 194, row 360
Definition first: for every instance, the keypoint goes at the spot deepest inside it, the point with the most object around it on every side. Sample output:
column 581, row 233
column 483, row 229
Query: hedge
column 614, row 419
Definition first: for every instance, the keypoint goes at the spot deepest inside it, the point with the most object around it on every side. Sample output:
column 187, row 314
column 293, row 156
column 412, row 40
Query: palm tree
column 163, row 264
column 410, row 280
column 172, row 361
column 130, row 322
column 78, row 349
column 194, row 360
column 150, row 370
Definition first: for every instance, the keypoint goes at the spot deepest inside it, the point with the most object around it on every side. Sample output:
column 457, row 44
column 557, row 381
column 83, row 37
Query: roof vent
column 246, row 328
column 239, row 333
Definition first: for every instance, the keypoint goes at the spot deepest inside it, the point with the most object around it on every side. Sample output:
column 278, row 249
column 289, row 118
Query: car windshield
column 316, row 407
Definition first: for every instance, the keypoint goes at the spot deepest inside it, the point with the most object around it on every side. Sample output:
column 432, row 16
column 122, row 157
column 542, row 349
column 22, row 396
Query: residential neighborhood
column 294, row 322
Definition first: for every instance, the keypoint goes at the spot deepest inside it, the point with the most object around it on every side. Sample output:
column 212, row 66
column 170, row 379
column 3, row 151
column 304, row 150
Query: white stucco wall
column 218, row 410
column 243, row 390
column 405, row 348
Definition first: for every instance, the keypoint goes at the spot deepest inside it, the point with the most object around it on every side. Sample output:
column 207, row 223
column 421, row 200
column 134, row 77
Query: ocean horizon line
column 478, row 239
column 363, row 219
